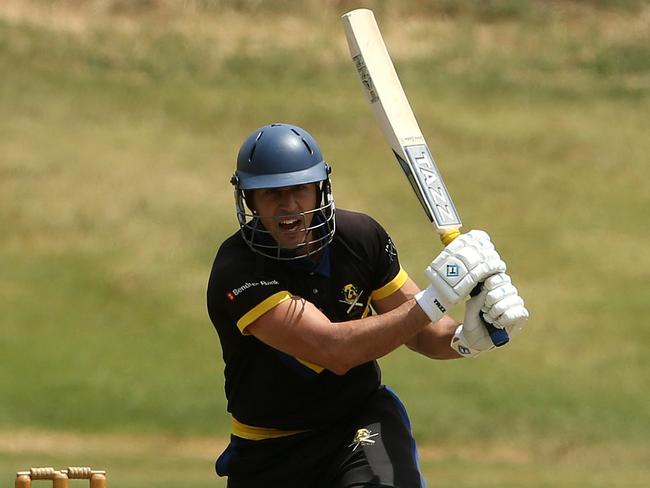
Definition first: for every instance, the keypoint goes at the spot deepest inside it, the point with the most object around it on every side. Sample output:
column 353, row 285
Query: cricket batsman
column 305, row 298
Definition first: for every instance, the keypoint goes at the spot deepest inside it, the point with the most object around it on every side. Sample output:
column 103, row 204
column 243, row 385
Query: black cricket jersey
column 269, row 393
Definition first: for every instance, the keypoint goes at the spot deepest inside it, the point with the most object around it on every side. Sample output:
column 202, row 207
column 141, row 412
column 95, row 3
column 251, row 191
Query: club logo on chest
column 351, row 296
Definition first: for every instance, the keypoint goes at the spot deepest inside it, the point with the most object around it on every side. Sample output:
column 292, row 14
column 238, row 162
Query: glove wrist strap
column 428, row 301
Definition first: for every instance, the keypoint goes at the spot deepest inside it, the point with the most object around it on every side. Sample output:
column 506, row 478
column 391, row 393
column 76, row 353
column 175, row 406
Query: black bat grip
column 499, row 336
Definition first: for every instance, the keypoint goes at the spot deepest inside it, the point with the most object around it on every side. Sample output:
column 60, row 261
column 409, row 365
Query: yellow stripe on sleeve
column 254, row 433
column 314, row 367
column 261, row 308
column 391, row 287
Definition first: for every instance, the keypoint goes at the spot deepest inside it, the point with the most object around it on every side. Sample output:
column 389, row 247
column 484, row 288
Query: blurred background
column 120, row 122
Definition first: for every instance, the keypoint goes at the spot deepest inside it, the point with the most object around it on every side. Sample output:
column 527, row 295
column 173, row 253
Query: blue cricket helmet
column 276, row 156
column 279, row 155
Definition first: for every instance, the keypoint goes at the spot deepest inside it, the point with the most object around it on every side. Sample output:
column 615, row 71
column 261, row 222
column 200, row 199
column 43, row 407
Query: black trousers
column 374, row 448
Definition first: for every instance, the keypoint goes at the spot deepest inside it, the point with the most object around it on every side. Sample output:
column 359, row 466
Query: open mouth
column 290, row 225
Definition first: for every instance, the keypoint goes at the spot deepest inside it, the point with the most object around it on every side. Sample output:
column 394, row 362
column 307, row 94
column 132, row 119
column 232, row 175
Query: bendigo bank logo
column 231, row 294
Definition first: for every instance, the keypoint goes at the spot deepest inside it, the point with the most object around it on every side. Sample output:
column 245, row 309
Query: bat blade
column 397, row 121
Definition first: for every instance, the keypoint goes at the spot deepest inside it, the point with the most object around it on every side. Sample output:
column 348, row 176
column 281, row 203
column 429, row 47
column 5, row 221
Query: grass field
column 119, row 125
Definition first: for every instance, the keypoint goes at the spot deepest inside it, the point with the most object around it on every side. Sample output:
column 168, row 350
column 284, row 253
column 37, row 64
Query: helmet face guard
column 318, row 234
column 277, row 156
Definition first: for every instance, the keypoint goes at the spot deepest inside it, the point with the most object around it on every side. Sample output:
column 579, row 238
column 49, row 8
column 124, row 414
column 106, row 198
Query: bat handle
column 449, row 235
column 499, row 336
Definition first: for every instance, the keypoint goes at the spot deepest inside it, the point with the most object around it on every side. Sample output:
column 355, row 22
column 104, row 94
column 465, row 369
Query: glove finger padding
column 480, row 236
column 513, row 319
column 496, row 281
column 499, row 308
column 503, row 306
column 475, row 238
column 498, row 294
column 487, row 268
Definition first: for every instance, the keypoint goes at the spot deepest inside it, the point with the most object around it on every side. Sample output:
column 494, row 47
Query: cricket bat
column 397, row 121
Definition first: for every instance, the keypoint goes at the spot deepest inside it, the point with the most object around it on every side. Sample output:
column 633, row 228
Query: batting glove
column 503, row 306
column 463, row 264
column 498, row 304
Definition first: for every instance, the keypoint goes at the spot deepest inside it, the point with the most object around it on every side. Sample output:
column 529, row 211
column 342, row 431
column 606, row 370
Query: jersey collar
column 322, row 267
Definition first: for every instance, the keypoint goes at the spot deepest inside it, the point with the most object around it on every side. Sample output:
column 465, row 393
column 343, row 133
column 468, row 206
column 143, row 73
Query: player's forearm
column 434, row 340
column 359, row 341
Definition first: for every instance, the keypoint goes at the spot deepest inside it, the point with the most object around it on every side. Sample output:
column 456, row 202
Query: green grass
column 118, row 135
column 164, row 461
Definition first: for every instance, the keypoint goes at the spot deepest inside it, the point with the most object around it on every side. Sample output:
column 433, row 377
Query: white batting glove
column 498, row 304
column 465, row 262
column 503, row 306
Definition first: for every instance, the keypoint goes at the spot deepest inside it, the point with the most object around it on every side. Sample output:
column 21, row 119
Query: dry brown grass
column 233, row 25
